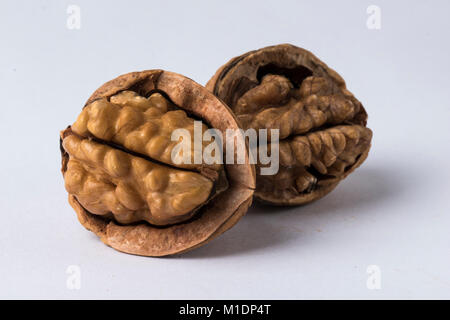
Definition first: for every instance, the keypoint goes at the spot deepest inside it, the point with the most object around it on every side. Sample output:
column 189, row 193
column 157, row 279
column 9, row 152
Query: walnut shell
column 322, row 126
column 121, row 180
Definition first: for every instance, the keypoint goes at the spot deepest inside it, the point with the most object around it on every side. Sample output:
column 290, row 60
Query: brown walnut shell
column 322, row 127
column 121, row 182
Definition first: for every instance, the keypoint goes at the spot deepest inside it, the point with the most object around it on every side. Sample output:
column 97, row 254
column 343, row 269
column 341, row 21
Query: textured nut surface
column 322, row 126
column 109, row 181
column 113, row 183
column 139, row 124
column 119, row 173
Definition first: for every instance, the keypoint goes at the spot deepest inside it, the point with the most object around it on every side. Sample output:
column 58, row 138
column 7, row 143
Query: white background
column 392, row 212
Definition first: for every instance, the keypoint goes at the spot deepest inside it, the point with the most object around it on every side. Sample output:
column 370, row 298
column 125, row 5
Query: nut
column 322, row 126
column 122, row 180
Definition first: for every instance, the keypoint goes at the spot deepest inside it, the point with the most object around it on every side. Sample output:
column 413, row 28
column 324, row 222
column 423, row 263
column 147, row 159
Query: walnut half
column 122, row 180
column 322, row 126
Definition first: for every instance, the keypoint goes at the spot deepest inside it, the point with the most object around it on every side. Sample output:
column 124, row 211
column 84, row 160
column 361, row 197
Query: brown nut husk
column 322, row 126
column 122, row 181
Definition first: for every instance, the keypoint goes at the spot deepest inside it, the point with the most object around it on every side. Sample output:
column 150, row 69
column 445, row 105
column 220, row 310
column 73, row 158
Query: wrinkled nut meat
column 322, row 126
column 122, row 180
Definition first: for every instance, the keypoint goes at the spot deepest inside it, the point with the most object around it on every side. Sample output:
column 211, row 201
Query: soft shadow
column 366, row 187
column 251, row 233
column 256, row 231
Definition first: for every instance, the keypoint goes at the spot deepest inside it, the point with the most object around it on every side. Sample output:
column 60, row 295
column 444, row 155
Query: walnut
column 322, row 126
column 122, row 180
